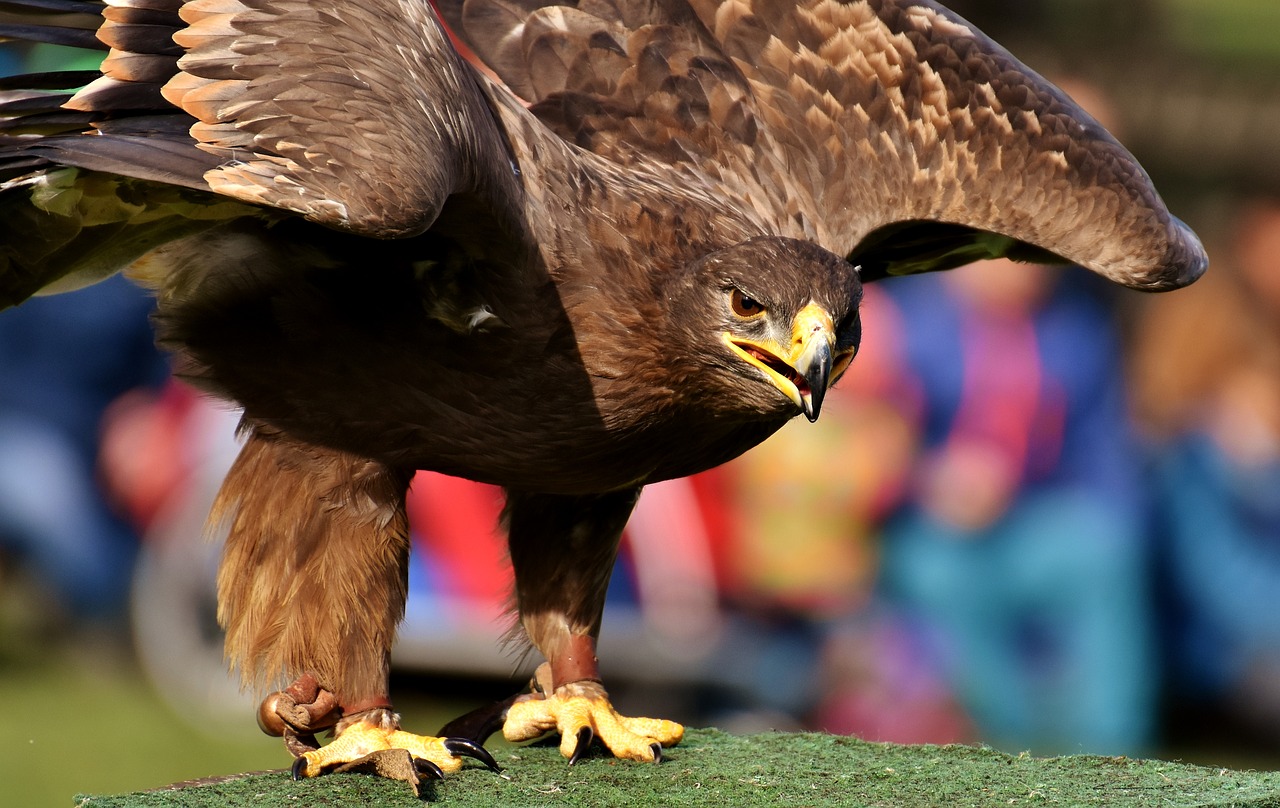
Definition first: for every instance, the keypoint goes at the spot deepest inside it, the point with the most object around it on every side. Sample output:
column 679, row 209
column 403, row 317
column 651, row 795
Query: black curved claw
column 465, row 747
column 480, row 723
column 428, row 769
column 296, row 770
column 657, row 752
column 585, row 736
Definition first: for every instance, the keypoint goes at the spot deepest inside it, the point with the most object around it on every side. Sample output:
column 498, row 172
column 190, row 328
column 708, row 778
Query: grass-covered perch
column 712, row 768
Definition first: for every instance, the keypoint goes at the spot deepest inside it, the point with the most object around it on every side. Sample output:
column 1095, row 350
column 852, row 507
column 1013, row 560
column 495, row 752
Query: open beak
column 801, row 369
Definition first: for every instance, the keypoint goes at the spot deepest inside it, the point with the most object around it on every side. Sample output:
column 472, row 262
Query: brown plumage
column 634, row 261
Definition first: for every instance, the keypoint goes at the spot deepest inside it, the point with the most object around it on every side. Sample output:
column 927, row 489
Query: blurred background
column 1039, row 513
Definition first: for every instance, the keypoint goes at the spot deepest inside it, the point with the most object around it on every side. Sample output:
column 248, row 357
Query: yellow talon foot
column 581, row 712
column 366, row 739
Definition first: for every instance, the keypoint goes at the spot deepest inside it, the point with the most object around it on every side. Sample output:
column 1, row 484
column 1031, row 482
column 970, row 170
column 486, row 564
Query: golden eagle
column 633, row 255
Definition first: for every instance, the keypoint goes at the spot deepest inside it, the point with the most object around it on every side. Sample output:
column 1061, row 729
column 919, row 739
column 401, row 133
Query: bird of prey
column 630, row 250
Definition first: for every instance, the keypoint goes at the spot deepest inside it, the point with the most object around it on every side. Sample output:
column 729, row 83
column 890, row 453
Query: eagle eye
column 744, row 306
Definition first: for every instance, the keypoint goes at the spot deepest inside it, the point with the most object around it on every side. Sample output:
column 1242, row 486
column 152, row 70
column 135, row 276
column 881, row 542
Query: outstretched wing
column 357, row 116
column 892, row 131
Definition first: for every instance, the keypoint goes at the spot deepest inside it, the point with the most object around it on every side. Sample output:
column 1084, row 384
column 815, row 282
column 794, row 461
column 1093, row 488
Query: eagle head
column 774, row 321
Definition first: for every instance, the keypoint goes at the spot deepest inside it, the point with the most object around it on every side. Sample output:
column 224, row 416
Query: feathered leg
column 563, row 550
column 316, row 538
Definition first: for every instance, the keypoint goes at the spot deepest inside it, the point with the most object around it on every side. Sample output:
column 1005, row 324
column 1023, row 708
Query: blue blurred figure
column 1209, row 384
column 1021, row 545
column 63, row 360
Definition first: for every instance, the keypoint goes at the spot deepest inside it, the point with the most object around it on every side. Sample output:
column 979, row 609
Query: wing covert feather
column 356, row 115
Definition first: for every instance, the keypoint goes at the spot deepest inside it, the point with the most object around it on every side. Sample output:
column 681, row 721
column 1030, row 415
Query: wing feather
column 892, row 131
column 357, row 116
column 301, row 98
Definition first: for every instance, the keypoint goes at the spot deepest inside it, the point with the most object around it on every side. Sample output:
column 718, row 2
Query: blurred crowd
column 1035, row 514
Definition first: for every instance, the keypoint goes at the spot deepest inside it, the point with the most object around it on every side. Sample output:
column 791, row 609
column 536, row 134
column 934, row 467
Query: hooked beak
column 804, row 367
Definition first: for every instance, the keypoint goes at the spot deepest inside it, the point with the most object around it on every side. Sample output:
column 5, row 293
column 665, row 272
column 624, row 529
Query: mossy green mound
column 712, row 768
